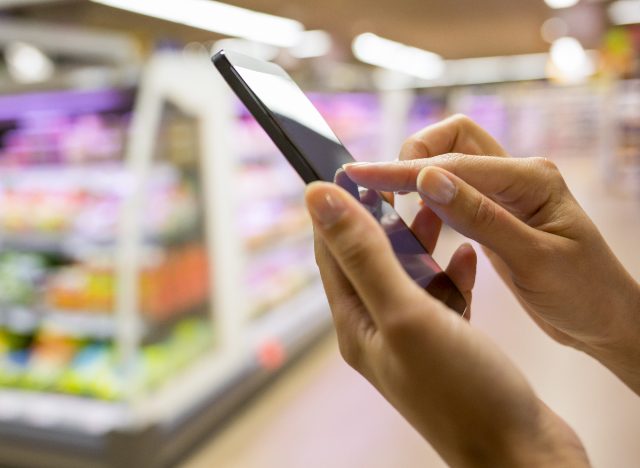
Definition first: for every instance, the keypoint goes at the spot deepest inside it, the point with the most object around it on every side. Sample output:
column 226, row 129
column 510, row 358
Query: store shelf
column 278, row 237
column 34, row 243
column 293, row 320
column 87, row 325
column 56, row 411
column 45, row 430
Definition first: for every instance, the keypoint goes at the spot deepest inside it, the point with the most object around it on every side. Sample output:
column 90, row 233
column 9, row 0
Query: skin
column 536, row 235
column 478, row 409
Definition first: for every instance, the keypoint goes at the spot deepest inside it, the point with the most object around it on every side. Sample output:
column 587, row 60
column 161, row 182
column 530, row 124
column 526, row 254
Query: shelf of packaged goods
column 278, row 238
column 73, row 247
column 292, row 321
column 286, row 330
column 265, row 185
column 42, row 244
column 90, row 325
column 288, row 326
column 287, row 225
column 46, row 430
column 290, row 284
column 54, row 410
column 101, row 402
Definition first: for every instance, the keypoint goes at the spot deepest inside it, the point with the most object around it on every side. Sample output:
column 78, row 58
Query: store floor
column 322, row 414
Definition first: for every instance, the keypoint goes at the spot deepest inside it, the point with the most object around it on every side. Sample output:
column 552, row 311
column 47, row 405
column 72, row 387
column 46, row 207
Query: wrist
column 548, row 441
column 619, row 351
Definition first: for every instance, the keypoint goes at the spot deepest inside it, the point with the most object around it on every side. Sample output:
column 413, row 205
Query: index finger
column 488, row 174
column 456, row 134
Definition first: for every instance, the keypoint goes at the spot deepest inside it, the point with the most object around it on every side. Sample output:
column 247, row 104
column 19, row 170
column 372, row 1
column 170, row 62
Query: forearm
column 545, row 441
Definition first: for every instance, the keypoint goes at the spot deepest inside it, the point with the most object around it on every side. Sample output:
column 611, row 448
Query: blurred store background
column 156, row 261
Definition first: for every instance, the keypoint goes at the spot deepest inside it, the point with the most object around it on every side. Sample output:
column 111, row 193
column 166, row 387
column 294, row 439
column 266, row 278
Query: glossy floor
column 322, row 414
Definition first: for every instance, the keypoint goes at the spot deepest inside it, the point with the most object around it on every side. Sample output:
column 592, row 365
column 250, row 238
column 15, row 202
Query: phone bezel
column 259, row 110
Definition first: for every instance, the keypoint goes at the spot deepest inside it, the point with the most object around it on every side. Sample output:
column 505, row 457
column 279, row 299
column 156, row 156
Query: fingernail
column 326, row 209
column 436, row 186
column 355, row 164
column 366, row 164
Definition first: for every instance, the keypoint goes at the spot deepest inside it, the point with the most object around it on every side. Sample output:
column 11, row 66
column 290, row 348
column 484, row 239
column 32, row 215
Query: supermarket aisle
column 322, row 414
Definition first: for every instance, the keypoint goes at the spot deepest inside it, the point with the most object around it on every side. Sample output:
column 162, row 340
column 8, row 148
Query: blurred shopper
column 447, row 379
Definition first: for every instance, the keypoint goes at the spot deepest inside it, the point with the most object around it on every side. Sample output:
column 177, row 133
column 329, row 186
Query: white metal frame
column 190, row 82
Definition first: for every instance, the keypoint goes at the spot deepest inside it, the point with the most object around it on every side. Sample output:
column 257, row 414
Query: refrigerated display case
column 623, row 164
column 156, row 267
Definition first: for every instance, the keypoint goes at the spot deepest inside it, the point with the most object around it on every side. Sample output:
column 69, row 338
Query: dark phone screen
column 323, row 151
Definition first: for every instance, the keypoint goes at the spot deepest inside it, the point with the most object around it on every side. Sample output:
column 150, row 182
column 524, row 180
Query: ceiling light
column 384, row 53
column 312, row 44
column 217, row 17
column 561, row 3
column 27, row 64
column 553, row 28
column 625, row 12
column 257, row 50
column 496, row 69
column 569, row 60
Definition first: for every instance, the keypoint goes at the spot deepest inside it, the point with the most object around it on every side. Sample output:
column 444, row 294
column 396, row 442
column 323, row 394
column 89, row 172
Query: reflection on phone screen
column 410, row 252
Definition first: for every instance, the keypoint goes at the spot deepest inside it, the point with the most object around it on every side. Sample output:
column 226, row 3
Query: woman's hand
column 447, row 379
column 543, row 245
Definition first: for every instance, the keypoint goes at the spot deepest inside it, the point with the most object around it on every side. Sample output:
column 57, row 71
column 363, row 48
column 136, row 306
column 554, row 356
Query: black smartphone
column 316, row 153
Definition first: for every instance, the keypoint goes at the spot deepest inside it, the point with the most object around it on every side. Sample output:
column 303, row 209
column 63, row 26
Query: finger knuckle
column 484, row 212
column 546, row 168
column 355, row 247
column 463, row 121
column 414, row 167
column 548, row 171
column 414, row 147
column 544, row 164
column 350, row 351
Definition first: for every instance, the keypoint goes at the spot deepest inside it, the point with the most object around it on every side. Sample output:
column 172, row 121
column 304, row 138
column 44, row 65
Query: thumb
column 476, row 216
column 362, row 250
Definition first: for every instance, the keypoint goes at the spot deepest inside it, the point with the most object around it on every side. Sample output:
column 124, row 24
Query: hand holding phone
column 316, row 153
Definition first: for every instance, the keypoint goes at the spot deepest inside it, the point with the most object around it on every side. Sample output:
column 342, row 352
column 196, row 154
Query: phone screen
column 321, row 149
column 300, row 120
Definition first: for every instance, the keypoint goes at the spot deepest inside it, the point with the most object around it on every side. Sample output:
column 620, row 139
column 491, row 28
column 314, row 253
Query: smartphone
column 315, row 152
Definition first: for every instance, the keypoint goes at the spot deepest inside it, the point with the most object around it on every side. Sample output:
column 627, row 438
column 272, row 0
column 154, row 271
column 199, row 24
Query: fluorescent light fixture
column 384, row 53
column 254, row 49
column 569, row 61
column 471, row 71
column 312, row 44
column 496, row 69
column 217, row 17
column 502, row 69
column 625, row 12
column 561, row 3
column 27, row 64
column 64, row 40
column 22, row 3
